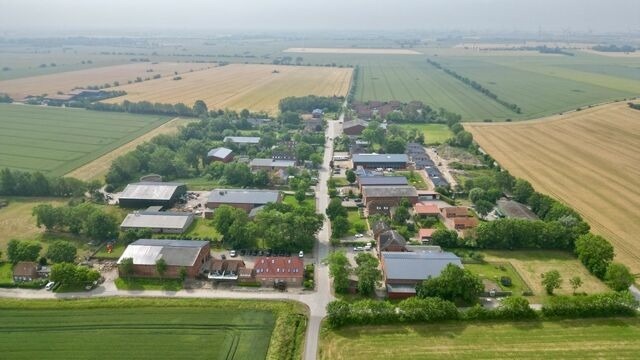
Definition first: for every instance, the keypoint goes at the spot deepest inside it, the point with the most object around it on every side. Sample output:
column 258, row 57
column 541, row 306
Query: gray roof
column 356, row 122
column 243, row 196
column 220, row 152
column 416, row 265
column 383, row 180
column 391, row 237
column 272, row 162
column 150, row 190
column 389, row 191
column 174, row 252
column 242, row 139
column 158, row 219
column 380, row 158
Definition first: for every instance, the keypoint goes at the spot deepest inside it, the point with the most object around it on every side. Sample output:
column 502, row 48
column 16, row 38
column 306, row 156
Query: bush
column 598, row 305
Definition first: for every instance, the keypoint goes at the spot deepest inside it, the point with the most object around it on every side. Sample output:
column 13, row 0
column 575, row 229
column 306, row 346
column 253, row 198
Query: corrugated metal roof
column 242, row 139
column 417, row 265
column 174, row 252
column 389, row 191
column 380, row 158
column 150, row 191
column 383, row 180
column 164, row 220
column 243, row 196
column 220, row 152
column 272, row 162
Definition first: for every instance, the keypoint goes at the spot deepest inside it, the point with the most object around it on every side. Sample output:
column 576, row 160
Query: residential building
column 242, row 140
column 158, row 221
column 226, row 269
column 25, row 271
column 423, row 209
column 381, row 199
column 270, row 271
column 271, row 164
column 455, row 211
column 426, row 235
column 193, row 256
column 147, row 193
column 384, row 161
column 246, row 199
column 354, row 127
column 391, row 241
column 220, row 154
column 403, row 271
column 317, row 113
column 462, row 223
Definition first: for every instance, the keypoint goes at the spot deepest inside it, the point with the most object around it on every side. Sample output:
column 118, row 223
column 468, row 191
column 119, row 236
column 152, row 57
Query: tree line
column 23, row 183
column 145, row 107
column 4, row 98
column 477, row 86
column 614, row 48
column 310, row 103
column 85, row 219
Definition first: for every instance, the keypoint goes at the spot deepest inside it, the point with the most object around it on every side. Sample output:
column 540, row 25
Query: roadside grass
column 152, row 328
column 611, row 338
column 148, row 284
column 433, row 133
column 353, row 215
column 6, row 272
column 493, row 271
column 414, row 179
column 201, row 228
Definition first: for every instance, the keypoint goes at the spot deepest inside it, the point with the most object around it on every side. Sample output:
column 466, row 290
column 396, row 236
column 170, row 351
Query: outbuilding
column 25, row 271
column 384, row 161
column 158, row 221
column 193, row 256
column 145, row 194
column 220, row 154
column 246, row 199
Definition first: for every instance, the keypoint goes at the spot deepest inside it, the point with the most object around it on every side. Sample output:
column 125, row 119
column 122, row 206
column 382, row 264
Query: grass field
column 433, row 133
column 363, row 51
column 569, row 339
column 414, row 179
column 203, row 228
column 50, row 84
column 240, row 86
column 99, row 167
column 587, row 159
column 149, row 329
column 148, row 284
column 16, row 221
column 57, row 140
column 493, row 271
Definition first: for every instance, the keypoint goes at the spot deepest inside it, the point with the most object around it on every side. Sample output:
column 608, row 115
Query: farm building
column 271, row 164
column 145, row 194
column 384, row 161
column 193, row 256
column 273, row 270
column 426, row 209
column 381, row 199
column 514, row 209
column 158, row 221
column 25, row 271
column 242, row 140
column 391, row 241
column 428, row 195
column 228, row 270
column 462, row 223
column 402, row 271
column 426, row 235
column 455, row 211
column 378, row 228
column 354, row 127
column 220, row 154
column 382, row 181
column 317, row 113
column 341, row 156
column 246, row 199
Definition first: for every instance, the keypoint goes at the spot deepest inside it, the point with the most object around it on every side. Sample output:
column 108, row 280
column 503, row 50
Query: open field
column 587, row 159
column 352, row 51
column 615, row 338
column 66, row 81
column 99, row 167
column 58, row 140
column 493, row 271
column 148, row 329
column 240, row 86
column 433, row 133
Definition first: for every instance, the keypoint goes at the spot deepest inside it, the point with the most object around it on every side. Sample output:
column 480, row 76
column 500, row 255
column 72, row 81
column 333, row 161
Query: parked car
column 301, row 254
column 358, row 248
column 49, row 285
column 232, row 253
column 223, row 257
column 368, row 247
column 359, row 235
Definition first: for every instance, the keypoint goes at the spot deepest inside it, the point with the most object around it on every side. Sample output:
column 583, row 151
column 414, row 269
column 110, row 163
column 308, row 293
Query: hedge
column 598, row 305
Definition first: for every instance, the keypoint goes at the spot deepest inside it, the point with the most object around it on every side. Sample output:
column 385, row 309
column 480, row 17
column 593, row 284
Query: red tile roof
column 455, row 211
column 426, row 209
column 465, row 222
column 425, row 233
column 279, row 266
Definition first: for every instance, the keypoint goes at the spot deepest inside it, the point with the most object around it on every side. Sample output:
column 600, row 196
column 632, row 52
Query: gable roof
column 242, row 139
column 148, row 190
column 391, row 237
column 244, row 196
column 382, row 180
column 353, row 123
column 174, row 252
column 25, row 268
column 157, row 219
column 380, row 158
column 389, row 191
column 425, row 233
column 273, row 163
column 426, row 209
column 219, row 152
column 455, row 211
column 279, row 266
column 416, row 265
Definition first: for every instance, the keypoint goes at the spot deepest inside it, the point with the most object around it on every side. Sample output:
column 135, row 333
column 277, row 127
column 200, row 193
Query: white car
column 358, row 248
column 359, row 235
column 367, row 247
column 49, row 285
column 232, row 253
column 301, row 254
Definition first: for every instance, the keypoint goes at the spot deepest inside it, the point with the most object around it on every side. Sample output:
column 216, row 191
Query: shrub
column 598, row 305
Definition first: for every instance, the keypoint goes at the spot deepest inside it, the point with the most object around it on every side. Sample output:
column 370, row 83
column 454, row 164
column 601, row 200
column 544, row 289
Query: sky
column 307, row 15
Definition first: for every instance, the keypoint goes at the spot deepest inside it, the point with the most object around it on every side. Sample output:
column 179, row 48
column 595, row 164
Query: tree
column 339, row 269
column 575, row 282
column 396, row 145
column 551, row 280
column 335, row 209
column 61, row 251
column 401, row 214
column 453, row 284
column 618, row 277
column 126, row 267
column 290, row 118
column 200, row 108
column 300, row 196
column 595, row 253
column 476, row 193
column 47, row 216
column 445, row 238
column 102, row 226
column 522, row 191
column 72, row 276
column 463, row 139
column 23, row 250
column 368, row 273
column 161, row 267
column 351, row 176
column 339, row 226
column 223, row 218
column 182, row 274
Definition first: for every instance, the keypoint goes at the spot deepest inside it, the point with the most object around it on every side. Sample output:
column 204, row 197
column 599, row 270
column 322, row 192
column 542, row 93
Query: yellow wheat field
column 588, row 159
column 242, row 86
column 51, row 84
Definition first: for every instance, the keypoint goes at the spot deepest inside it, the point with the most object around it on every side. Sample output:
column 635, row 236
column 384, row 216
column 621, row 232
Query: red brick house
column 426, row 209
column 381, row 199
column 354, row 127
column 193, row 256
column 272, row 270
column 455, row 211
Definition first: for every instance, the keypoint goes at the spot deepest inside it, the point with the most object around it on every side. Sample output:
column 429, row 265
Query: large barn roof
column 219, row 152
column 389, row 191
column 417, row 265
column 150, row 191
column 155, row 220
column 174, row 252
column 243, row 196
column 382, row 180
column 380, row 158
column 242, row 139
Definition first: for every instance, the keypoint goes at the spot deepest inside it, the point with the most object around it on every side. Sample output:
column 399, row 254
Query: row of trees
column 477, row 86
column 58, row 251
column 22, row 183
column 311, row 102
column 145, row 107
column 4, row 98
column 86, row 219
column 367, row 271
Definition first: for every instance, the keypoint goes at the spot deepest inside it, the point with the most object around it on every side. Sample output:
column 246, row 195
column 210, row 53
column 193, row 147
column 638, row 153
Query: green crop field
column 148, row 329
column 570, row 339
column 56, row 140
column 433, row 133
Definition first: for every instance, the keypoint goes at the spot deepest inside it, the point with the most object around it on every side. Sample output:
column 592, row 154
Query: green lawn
column 116, row 252
column 309, row 202
column 615, row 338
column 494, row 271
column 6, row 272
column 148, row 284
column 202, row 228
column 414, row 179
column 119, row 328
column 354, row 219
column 57, row 140
column 433, row 133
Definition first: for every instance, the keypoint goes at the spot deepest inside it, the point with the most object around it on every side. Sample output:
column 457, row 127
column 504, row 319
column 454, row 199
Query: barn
column 145, row 194
column 220, row 154
column 384, row 161
column 193, row 256
column 158, row 221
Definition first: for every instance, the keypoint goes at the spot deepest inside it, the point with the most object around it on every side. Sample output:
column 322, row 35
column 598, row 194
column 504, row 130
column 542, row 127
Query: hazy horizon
column 57, row 16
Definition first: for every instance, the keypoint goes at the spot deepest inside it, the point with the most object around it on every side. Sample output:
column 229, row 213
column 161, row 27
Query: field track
column 241, row 86
column 98, row 168
column 66, row 81
column 588, row 159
